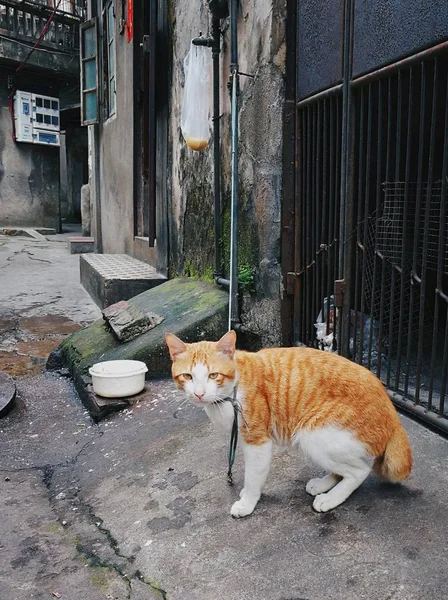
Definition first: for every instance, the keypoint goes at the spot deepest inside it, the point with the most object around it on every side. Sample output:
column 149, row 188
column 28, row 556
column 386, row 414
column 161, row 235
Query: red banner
column 130, row 21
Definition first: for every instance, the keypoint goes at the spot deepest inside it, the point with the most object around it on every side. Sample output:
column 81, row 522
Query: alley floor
column 137, row 507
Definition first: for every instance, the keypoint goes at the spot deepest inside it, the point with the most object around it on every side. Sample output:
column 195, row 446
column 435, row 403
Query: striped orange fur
column 287, row 394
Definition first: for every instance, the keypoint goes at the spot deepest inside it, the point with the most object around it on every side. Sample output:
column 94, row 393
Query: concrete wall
column 116, row 156
column 29, row 175
column 189, row 174
column 262, row 55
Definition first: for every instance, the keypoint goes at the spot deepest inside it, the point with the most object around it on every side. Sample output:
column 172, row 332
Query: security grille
column 400, row 251
column 394, row 240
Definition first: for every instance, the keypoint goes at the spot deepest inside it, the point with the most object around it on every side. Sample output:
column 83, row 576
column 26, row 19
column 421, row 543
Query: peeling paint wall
column 262, row 55
column 29, row 177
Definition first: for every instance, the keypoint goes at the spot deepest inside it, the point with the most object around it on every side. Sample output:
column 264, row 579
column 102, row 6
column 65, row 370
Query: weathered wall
column 261, row 54
column 189, row 176
column 116, row 177
column 29, row 174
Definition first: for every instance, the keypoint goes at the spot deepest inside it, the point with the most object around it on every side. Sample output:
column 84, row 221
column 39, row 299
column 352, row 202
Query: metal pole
column 233, row 293
column 216, row 34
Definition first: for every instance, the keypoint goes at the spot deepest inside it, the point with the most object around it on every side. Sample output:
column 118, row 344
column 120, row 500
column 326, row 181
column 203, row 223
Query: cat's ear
column 175, row 345
column 226, row 344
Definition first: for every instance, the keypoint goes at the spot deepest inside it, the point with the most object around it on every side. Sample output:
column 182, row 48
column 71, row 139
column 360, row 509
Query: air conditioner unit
column 37, row 118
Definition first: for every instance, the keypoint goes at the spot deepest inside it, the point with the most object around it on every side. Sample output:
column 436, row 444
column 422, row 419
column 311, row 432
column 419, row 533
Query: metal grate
column 319, row 153
column 399, row 321
column 394, row 232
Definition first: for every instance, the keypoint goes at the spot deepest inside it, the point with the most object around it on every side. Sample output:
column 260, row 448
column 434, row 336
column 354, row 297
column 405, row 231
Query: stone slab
column 81, row 245
column 109, row 278
column 191, row 309
column 7, row 393
column 45, row 230
column 128, row 322
column 38, row 233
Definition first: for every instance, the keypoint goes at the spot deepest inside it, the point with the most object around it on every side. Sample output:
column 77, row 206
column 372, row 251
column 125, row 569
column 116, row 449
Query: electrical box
column 37, row 118
column 22, row 117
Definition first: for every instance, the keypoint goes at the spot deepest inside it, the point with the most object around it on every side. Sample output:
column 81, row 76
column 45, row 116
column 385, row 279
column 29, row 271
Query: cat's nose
column 199, row 395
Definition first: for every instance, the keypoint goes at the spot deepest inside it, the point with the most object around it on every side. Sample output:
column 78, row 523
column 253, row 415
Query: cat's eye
column 186, row 376
column 213, row 375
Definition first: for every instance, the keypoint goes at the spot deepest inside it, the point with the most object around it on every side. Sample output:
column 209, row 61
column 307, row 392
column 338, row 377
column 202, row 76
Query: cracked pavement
column 137, row 507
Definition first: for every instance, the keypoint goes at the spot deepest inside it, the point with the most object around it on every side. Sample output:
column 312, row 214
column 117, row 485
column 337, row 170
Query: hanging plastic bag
column 196, row 105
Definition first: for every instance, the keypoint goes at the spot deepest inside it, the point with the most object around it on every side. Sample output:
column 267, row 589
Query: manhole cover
column 7, row 393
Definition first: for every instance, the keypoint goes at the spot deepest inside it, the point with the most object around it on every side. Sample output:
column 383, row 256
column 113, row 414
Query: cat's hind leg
column 351, row 480
column 320, row 485
column 338, row 451
column 257, row 460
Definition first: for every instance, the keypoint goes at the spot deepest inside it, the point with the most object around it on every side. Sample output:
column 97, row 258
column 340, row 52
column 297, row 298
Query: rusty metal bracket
column 290, row 282
column 339, row 290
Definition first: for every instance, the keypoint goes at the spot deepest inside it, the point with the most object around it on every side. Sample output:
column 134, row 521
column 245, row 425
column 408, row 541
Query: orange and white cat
column 336, row 410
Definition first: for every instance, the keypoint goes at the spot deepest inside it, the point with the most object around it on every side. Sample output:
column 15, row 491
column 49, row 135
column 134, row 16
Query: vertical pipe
column 216, row 34
column 347, row 70
column 233, row 292
column 290, row 254
column 346, row 193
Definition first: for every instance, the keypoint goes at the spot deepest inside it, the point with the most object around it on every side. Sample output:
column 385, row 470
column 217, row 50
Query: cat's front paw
column 324, row 502
column 242, row 508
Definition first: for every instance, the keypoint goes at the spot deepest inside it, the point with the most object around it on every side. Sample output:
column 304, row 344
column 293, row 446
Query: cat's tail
column 396, row 462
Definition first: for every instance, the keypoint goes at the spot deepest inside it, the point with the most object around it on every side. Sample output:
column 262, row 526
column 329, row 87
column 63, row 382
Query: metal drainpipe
column 216, row 35
column 214, row 43
column 233, row 291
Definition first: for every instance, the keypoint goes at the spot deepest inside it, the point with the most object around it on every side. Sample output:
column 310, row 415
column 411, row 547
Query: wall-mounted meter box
column 36, row 118
column 23, row 109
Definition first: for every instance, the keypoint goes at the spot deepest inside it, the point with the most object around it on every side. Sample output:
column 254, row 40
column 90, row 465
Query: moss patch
column 248, row 247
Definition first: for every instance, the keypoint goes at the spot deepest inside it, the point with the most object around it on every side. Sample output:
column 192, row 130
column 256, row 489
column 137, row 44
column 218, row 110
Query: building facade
column 39, row 56
column 342, row 239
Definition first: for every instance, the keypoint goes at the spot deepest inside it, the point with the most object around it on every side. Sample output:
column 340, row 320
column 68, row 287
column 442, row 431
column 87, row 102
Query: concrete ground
column 138, row 506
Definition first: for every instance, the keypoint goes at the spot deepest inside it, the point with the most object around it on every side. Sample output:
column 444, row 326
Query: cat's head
column 206, row 371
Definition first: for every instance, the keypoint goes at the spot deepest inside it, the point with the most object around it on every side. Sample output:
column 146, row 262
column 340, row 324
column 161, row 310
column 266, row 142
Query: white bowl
column 118, row 378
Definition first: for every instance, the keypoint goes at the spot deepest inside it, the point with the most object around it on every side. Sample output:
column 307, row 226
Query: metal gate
column 371, row 264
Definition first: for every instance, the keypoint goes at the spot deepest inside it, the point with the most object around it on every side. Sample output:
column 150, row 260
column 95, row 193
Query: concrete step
column 80, row 245
column 191, row 309
column 109, row 278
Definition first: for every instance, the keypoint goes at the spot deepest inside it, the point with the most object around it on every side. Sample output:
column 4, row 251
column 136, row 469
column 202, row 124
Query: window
column 89, row 72
column 109, row 62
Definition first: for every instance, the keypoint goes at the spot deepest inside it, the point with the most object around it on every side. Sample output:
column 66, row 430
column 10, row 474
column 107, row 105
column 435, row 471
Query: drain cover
column 7, row 393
